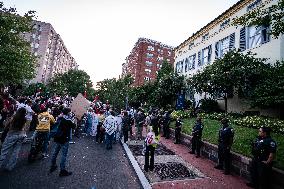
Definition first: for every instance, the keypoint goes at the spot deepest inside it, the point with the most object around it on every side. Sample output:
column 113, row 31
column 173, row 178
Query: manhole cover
column 161, row 150
column 172, row 170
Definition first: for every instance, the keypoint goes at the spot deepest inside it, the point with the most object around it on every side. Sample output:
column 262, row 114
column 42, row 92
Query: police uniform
column 196, row 138
column 225, row 140
column 260, row 171
column 178, row 131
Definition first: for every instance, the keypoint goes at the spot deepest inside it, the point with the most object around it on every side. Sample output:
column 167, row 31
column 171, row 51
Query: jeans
column 150, row 150
column 64, row 153
column 109, row 139
column 12, row 144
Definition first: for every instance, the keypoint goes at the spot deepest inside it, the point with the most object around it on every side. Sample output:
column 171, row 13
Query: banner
column 80, row 105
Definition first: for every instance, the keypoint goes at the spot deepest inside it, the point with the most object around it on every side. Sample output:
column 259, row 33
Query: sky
column 100, row 34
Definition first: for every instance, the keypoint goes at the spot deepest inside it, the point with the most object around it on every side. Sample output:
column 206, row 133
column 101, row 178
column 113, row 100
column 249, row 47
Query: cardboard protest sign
column 80, row 105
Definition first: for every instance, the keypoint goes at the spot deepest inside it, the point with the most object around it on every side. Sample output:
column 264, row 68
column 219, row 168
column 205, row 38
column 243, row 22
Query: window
column 148, row 63
column 150, row 48
column 149, row 55
column 257, row 35
column 179, row 67
column 191, row 62
column 148, row 71
column 205, row 56
column 36, row 45
column 224, row 24
column 224, row 45
column 253, row 5
column 205, row 37
column 190, row 46
column 147, row 78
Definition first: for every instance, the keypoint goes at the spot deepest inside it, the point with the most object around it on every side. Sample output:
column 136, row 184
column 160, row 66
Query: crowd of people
column 52, row 118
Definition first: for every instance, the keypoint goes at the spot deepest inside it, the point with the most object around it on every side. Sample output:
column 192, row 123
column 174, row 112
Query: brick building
column 146, row 59
column 53, row 56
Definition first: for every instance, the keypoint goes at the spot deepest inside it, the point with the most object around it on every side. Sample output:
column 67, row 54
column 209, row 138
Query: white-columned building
column 219, row 36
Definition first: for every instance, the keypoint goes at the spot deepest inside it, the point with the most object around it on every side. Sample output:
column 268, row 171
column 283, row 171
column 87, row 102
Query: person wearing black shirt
column 62, row 138
column 263, row 151
column 196, row 137
column 225, row 141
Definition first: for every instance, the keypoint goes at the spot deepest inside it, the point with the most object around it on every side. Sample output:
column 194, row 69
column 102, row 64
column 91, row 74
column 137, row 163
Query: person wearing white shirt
column 110, row 127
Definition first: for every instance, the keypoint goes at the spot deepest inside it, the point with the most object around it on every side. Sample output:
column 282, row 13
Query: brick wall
column 240, row 164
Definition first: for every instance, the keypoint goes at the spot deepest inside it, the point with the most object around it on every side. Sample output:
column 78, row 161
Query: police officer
column 166, row 124
column 196, row 137
column 225, row 141
column 263, row 151
column 178, row 130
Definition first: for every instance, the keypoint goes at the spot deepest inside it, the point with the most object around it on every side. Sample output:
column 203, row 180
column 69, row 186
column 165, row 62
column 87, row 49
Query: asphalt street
column 92, row 165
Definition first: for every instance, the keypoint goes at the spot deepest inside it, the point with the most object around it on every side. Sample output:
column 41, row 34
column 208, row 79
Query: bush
column 257, row 121
column 209, row 105
column 180, row 113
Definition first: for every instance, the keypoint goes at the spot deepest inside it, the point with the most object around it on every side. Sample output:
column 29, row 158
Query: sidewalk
column 214, row 179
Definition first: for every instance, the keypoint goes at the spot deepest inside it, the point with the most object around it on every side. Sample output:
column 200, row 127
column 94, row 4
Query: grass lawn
column 242, row 140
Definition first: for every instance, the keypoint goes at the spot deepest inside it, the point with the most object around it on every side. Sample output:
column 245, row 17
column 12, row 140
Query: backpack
column 54, row 129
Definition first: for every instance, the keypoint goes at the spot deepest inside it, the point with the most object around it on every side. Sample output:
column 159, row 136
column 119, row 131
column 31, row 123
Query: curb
column 142, row 178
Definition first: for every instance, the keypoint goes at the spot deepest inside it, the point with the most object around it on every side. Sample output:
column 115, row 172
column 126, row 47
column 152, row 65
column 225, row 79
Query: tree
column 273, row 15
column 71, row 83
column 166, row 69
column 33, row 88
column 115, row 90
column 270, row 93
column 17, row 63
column 235, row 71
column 167, row 89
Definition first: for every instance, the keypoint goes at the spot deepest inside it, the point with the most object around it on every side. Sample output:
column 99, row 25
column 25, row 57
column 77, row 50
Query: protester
column 40, row 143
column 126, row 125
column 110, row 127
column 15, row 137
column 61, row 139
column 151, row 141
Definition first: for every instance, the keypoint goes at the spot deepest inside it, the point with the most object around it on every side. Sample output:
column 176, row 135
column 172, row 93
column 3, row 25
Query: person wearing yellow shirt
column 40, row 143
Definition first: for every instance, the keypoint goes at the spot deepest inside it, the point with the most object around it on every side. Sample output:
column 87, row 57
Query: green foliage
column 242, row 140
column 209, row 105
column 167, row 89
column 259, row 16
column 181, row 114
column 270, row 93
column 166, row 69
column 33, row 88
column 235, row 70
column 17, row 63
column 248, row 121
column 115, row 90
column 71, row 83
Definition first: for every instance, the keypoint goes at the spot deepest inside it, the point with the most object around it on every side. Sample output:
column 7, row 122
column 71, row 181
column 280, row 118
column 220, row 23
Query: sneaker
column 64, row 173
column 45, row 156
column 52, row 168
column 71, row 142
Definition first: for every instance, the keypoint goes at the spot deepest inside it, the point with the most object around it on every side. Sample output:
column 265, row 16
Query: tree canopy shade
column 71, row 83
column 235, row 71
column 272, row 15
column 115, row 90
column 17, row 63
column 270, row 93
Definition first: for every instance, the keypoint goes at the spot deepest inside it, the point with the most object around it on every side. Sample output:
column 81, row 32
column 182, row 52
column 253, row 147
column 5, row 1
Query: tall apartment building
column 146, row 59
column 53, row 56
column 219, row 36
